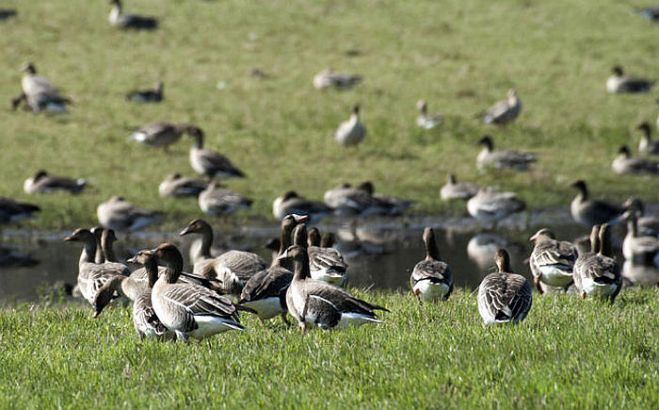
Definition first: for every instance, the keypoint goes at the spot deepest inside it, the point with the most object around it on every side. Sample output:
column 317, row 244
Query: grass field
column 568, row 353
column 460, row 56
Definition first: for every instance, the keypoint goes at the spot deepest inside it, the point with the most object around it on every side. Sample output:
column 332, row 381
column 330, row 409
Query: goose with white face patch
column 596, row 273
column 552, row 261
column 431, row 278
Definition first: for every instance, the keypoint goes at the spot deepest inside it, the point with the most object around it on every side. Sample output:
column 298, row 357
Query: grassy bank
column 567, row 353
column 460, row 56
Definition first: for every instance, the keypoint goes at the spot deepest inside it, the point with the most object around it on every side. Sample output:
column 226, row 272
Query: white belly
column 355, row 319
column 210, row 325
column 430, row 291
column 555, row 276
column 592, row 288
column 266, row 308
column 328, row 277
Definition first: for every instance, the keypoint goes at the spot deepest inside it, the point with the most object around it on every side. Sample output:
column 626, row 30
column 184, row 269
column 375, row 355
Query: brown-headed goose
column 38, row 93
column 163, row 134
column 122, row 216
column 589, row 212
column 325, row 264
column 636, row 247
column 491, row 158
column 178, row 186
column 352, row 132
column 504, row 111
column 330, row 78
column 216, row 200
column 619, row 82
column 14, row 211
column 648, row 225
column 647, row 145
column 42, row 182
column 153, row 95
column 503, row 296
column 210, row 163
column 130, row 21
column 596, row 273
column 427, row 120
column 552, row 261
column 431, row 278
column 491, row 206
column 292, row 203
column 624, row 163
column 457, row 190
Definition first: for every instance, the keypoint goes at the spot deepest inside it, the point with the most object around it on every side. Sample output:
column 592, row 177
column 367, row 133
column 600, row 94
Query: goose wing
column 242, row 264
column 431, row 270
column 326, row 259
column 505, row 296
column 267, row 283
column 145, row 318
column 496, row 111
column 198, row 300
column 554, row 253
column 216, row 162
column 340, row 299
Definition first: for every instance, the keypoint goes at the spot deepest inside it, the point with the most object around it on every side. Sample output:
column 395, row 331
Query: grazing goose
column 431, row 278
column 648, row 224
column 325, row 264
column 320, row 304
column 147, row 96
column 636, row 247
column 38, row 93
column 504, row 297
column 589, row 212
column 210, row 163
column 596, row 273
column 425, row 120
column 491, row 206
column 13, row 211
column 489, row 157
column 216, row 200
column 457, row 190
column 623, row 163
column 186, row 309
column 551, row 261
column 7, row 13
column 292, row 203
column 330, row 78
column 122, row 216
column 43, row 183
column 130, row 21
column 647, row 145
column 163, row 134
column 178, row 186
column 352, row 132
column 618, row 82
column 504, row 111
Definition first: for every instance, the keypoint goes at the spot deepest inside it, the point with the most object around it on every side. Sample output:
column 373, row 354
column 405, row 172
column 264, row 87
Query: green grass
column 459, row 55
column 568, row 353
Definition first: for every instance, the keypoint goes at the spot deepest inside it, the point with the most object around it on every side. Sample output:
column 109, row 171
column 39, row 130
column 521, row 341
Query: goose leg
column 583, row 295
column 536, row 282
column 285, row 319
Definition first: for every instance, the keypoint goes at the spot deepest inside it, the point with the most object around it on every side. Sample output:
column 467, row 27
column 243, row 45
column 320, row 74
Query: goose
column 552, row 261
column 154, row 95
column 589, row 212
column 391, row 206
column 7, row 13
column 99, row 256
column 347, row 200
column 648, row 224
column 618, row 82
column 210, row 163
column 596, row 273
column 130, row 21
column 425, row 120
column 431, row 278
column 292, row 203
column 216, row 200
column 491, row 206
column 504, row 111
column 163, row 134
column 647, row 145
column 42, row 183
column 330, row 78
column 453, row 189
column 352, row 132
column 637, row 247
column 498, row 159
column 186, row 309
column 641, row 271
column 503, row 296
column 328, row 240
column 122, row 216
column 12, row 211
column 320, row 304
column 39, row 93
column 178, row 186
column 624, row 163
column 325, row 264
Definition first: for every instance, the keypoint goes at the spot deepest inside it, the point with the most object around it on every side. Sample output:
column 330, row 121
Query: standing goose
column 589, row 212
column 618, row 82
column 218, row 201
column 325, row 264
column 212, row 164
column 491, row 206
column 13, row 211
column 552, row 261
column 504, row 297
column 163, row 134
column 504, row 111
column 637, row 247
column 431, row 278
column 648, row 224
column 623, row 163
column 38, row 93
column 457, row 190
column 122, row 216
column 352, row 132
column 647, row 145
column 178, row 186
column 292, row 203
column 42, row 183
column 147, row 96
column 330, row 78
column 130, row 21
column 596, row 273
column 489, row 157
column 425, row 120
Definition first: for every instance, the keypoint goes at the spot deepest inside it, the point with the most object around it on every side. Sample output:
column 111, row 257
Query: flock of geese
column 307, row 274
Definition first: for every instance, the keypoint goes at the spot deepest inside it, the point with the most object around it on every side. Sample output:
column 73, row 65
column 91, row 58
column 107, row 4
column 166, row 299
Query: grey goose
column 624, row 163
column 216, row 200
column 148, row 95
column 648, row 225
column 503, row 296
column 619, row 82
column 178, row 186
column 504, row 111
column 498, row 159
column 325, row 264
column 596, row 273
column 589, row 212
column 210, row 163
column 453, row 189
column 636, row 247
column 122, row 216
column 330, row 78
column 163, row 134
column 130, row 21
column 491, row 206
column 647, row 145
column 352, row 132
column 293, row 203
column 427, row 120
column 12, row 210
column 42, row 183
column 431, row 278
column 38, row 93
column 361, row 200
column 551, row 261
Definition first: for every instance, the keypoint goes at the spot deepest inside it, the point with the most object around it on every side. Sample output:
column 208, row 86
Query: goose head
column 169, row 256
column 367, row 186
column 313, row 237
column 451, row 178
column 196, row 226
column 40, row 175
column 502, row 260
column 422, row 106
column 355, row 110
column 297, row 255
column 106, row 293
column 645, row 128
column 29, row 68
column 624, row 152
column 81, row 235
column 487, row 142
column 581, row 186
column 196, row 133
column 289, row 195
column 147, row 258
column 300, row 235
column 635, row 205
column 512, row 96
column 617, row 70
column 327, row 240
column 542, row 234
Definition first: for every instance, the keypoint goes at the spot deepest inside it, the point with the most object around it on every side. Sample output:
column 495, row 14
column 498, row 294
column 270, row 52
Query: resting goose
column 38, row 93
column 330, row 78
column 218, row 201
column 431, row 278
column 647, row 145
column 489, row 157
column 130, row 21
column 361, row 200
column 624, row 163
column 352, row 132
column 457, row 190
column 147, row 96
column 504, row 111
column 122, row 216
column 325, row 264
column 504, row 297
column 618, row 82
column 212, row 164
column 43, row 183
column 320, row 304
column 292, row 203
column 425, row 120
column 636, row 247
column 390, row 205
column 13, row 211
column 589, row 212
column 596, row 273
column 551, row 261
column 163, row 134
column 178, row 186
column 491, row 206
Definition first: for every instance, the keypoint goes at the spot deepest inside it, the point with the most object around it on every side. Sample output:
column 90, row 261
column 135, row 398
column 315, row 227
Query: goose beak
column 132, row 260
column 185, row 231
column 68, row 238
column 283, row 256
column 300, row 218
